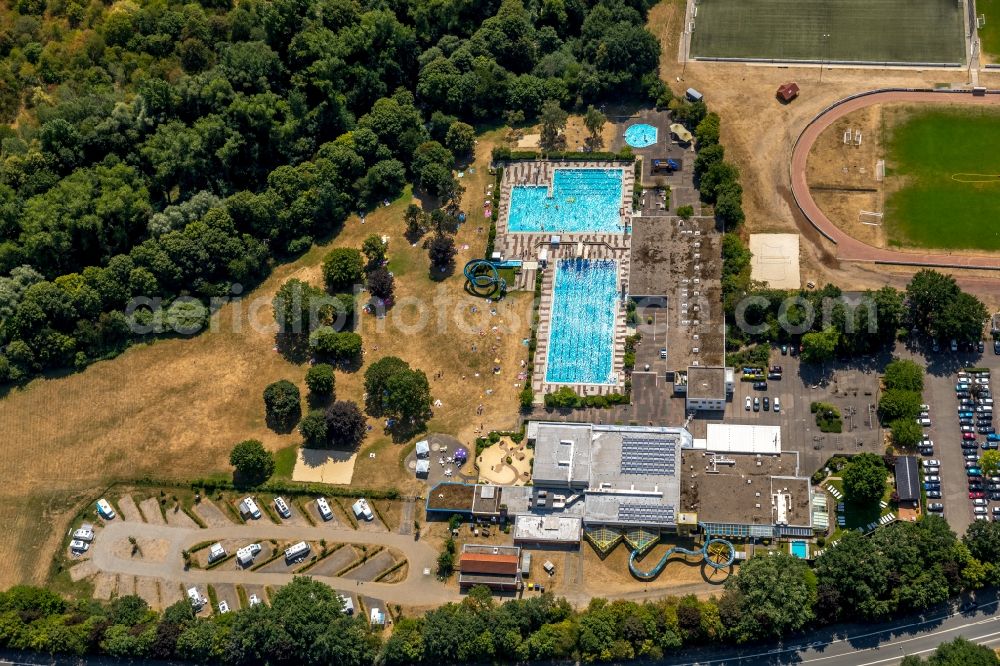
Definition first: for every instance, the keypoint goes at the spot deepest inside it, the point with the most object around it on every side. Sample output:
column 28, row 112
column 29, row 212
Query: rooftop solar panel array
column 649, row 456
column 646, row 514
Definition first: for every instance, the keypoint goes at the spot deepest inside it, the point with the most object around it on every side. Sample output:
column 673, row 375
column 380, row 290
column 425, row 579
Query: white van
column 248, row 507
column 299, row 550
column 925, row 422
column 324, row 508
column 104, row 509
column 282, row 507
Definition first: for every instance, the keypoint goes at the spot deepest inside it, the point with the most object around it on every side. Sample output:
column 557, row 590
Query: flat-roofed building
column 550, row 530
column 907, row 481
column 708, row 388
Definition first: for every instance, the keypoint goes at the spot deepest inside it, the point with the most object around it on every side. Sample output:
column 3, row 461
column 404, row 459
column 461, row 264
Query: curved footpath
column 417, row 589
column 848, row 247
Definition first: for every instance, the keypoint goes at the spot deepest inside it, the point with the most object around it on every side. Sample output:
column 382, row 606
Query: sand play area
column 775, row 260
column 324, row 466
column 494, row 468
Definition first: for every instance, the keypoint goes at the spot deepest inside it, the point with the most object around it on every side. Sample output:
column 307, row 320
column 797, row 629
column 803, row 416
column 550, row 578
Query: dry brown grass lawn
column 175, row 408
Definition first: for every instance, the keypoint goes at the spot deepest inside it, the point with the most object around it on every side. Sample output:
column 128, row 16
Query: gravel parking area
column 128, row 510
column 151, row 512
column 336, row 561
column 211, row 514
column 373, row 567
column 227, row 592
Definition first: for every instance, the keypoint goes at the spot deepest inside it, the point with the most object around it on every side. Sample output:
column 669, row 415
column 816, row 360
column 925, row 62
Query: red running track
column 848, row 247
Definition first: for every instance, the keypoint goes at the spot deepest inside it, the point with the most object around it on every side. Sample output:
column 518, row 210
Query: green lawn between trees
column 926, row 151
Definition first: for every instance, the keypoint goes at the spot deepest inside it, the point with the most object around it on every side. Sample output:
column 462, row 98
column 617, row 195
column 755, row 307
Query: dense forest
column 902, row 568
column 164, row 149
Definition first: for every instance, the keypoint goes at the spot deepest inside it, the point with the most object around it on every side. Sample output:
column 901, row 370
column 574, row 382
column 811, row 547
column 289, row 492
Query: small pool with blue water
column 800, row 549
column 581, row 201
column 641, row 135
column 582, row 328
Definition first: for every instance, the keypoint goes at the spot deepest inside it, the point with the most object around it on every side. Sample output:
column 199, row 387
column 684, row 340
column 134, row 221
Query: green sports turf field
column 831, row 30
column 943, row 178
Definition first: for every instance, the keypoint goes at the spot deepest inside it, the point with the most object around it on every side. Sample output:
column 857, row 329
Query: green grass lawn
column 854, row 30
column 856, row 516
column 284, row 461
column 926, row 152
column 989, row 34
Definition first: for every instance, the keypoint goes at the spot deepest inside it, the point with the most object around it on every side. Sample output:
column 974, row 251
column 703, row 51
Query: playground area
column 888, row 31
column 505, row 464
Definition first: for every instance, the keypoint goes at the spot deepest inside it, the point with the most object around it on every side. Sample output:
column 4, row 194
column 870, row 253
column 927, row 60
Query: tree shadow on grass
column 441, row 273
column 294, row 348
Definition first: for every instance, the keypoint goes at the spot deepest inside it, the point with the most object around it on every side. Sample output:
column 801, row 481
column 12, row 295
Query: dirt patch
column 372, row 567
column 126, row 585
column 105, row 586
column 150, row 509
column 127, row 509
column 389, row 511
column 843, row 174
column 212, row 514
column 170, row 593
column 373, row 525
column 259, row 590
column 335, row 562
column 149, row 589
column 149, row 550
column 177, row 517
column 82, row 570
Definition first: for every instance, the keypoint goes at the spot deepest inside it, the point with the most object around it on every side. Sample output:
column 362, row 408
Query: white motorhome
column 248, row 507
column 299, row 550
column 362, row 510
column 282, row 506
column 246, row 554
column 324, row 508
column 216, row 552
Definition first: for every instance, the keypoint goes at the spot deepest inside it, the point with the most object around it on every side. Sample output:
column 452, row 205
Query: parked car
column 996, row 347
column 932, row 478
column 935, row 506
column 760, row 386
column 767, row 404
column 981, row 347
column 933, row 462
column 980, row 502
column 933, row 494
column 78, row 546
column 756, row 404
column 924, row 422
column 784, row 350
column 748, row 403
column 979, row 510
column 975, row 494
column 995, row 496
column 974, row 471
column 774, row 375
column 969, row 436
column 932, row 470
column 85, row 533
column 777, row 404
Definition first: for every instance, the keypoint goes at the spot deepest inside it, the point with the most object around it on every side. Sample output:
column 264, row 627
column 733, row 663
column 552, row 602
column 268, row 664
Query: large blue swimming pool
column 582, row 329
column 583, row 200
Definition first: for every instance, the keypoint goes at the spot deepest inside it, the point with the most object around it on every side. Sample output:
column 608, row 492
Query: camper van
column 85, row 533
column 298, row 551
column 362, row 510
column 246, row 554
column 216, row 552
column 282, row 507
column 248, row 507
column 104, row 509
column 197, row 601
column 324, row 508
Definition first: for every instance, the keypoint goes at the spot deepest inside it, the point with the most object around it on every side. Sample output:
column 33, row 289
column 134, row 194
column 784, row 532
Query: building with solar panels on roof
column 621, row 480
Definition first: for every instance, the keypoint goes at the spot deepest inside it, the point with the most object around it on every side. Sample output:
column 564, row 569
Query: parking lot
column 940, row 395
column 851, row 389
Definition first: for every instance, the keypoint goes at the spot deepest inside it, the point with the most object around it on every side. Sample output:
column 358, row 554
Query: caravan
column 216, row 552
column 362, row 510
column 324, row 509
column 248, row 507
column 296, row 552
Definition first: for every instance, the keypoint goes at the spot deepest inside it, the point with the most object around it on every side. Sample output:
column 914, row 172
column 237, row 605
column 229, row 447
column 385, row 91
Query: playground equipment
column 484, row 278
column 716, row 553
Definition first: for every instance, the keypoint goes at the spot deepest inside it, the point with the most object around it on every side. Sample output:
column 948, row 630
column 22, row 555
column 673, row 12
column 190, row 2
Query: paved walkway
column 417, row 589
column 849, row 248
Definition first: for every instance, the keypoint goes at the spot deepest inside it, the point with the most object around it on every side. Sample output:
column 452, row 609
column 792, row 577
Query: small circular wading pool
column 640, row 136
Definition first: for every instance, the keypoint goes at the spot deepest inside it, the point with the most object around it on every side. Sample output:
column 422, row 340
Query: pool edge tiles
column 583, row 200
column 581, row 335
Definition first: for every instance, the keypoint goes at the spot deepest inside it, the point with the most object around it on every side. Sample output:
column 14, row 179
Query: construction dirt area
column 759, row 132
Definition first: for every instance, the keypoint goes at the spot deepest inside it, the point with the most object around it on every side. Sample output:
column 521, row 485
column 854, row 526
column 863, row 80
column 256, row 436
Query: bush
column 343, row 268
column 335, row 346
column 320, row 380
column 252, row 462
column 827, row 417
column 526, row 398
column 282, row 405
